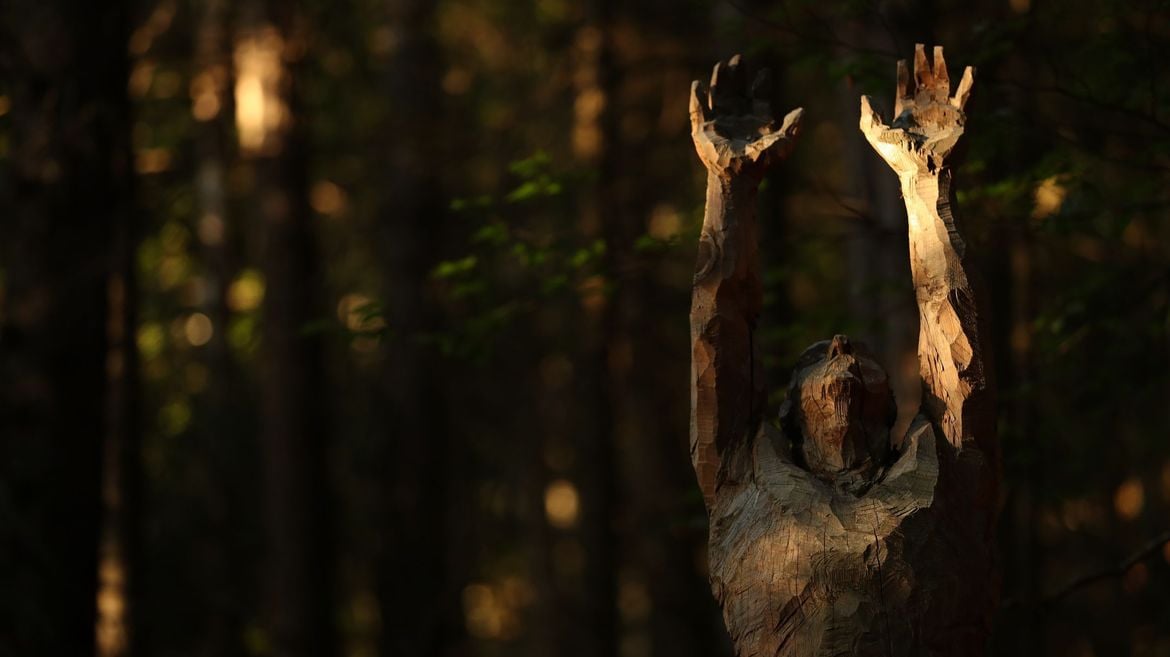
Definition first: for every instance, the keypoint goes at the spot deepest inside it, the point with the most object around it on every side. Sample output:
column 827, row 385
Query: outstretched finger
column 791, row 124
column 729, row 89
column 905, row 90
column 922, row 74
column 697, row 111
column 778, row 145
column 735, row 76
column 732, row 97
column 942, row 81
column 964, row 90
column 718, row 75
column 869, row 117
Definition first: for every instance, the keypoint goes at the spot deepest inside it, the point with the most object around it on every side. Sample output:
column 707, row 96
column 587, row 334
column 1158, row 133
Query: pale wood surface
column 737, row 139
column 824, row 538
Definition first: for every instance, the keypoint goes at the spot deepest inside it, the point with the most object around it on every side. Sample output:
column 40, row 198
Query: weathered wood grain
column 737, row 139
column 827, row 536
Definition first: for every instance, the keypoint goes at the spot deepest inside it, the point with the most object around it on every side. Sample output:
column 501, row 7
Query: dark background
column 359, row 327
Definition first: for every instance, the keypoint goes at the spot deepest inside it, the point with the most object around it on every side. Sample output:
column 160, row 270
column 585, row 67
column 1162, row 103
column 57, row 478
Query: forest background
column 359, row 327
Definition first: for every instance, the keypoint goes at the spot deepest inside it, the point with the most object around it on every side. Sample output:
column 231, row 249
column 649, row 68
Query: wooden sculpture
column 827, row 535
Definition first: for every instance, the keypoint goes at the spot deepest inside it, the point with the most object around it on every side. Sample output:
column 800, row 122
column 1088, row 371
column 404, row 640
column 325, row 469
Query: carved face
column 841, row 404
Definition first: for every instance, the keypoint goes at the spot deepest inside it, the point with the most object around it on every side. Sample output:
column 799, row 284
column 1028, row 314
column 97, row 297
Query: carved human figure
column 828, row 535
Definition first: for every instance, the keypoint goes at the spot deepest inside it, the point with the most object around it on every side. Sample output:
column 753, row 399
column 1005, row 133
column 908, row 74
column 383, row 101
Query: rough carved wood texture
column 838, row 413
column 927, row 124
column 737, row 138
column 828, row 537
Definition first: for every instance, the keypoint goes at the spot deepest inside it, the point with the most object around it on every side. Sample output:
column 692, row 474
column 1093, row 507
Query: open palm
column 928, row 121
column 733, row 126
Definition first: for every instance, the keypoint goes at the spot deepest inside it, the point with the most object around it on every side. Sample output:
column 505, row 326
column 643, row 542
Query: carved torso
column 803, row 569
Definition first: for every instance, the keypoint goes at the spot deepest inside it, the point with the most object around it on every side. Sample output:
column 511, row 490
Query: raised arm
column 952, row 347
column 737, row 138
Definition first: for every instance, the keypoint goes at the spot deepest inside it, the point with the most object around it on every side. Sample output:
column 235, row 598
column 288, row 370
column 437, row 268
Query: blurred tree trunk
column 594, row 137
column 67, row 210
column 1027, row 569
column 418, row 598
column 664, row 601
column 119, row 634
column 211, row 105
column 298, row 564
column 1014, row 267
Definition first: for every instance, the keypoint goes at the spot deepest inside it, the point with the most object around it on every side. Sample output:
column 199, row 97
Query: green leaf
column 452, row 268
column 494, row 234
column 530, row 166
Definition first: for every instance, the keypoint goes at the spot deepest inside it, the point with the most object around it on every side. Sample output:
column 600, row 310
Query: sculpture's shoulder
column 914, row 468
column 913, row 476
column 808, row 560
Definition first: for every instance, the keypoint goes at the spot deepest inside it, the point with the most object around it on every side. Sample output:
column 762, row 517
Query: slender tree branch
column 1148, row 550
column 1151, row 548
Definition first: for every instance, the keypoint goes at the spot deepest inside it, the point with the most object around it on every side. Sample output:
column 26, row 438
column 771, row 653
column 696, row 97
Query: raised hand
column 733, row 126
column 928, row 121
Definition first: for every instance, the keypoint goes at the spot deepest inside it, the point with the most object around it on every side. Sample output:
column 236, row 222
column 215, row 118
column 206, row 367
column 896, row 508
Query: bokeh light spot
column 561, row 504
column 1129, row 498
column 198, row 329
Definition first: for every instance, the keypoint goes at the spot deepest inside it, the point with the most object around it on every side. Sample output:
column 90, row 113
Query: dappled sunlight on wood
column 260, row 75
column 111, row 603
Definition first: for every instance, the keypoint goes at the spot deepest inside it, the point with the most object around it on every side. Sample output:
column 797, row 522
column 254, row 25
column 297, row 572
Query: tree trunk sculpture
column 828, row 535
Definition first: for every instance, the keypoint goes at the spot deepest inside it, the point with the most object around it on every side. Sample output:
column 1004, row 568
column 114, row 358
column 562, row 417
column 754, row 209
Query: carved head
column 839, row 410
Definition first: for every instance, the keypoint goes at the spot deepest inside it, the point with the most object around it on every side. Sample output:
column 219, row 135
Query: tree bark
column 298, row 563
column 818, row 545
column 67, row 195
column 119, row 632
column 595, row 137
column 219, row 405
column 419, row 603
